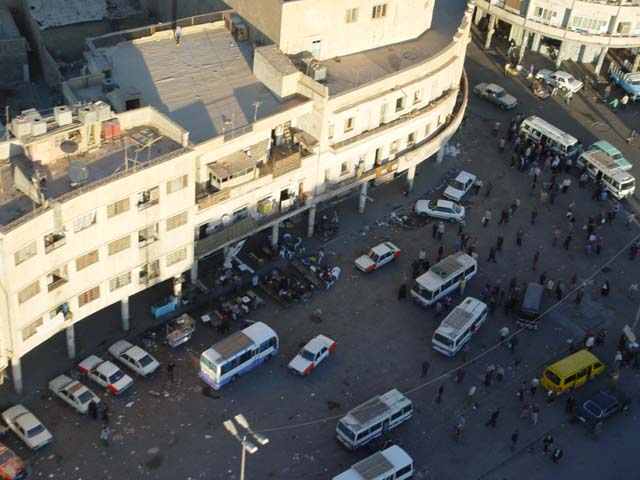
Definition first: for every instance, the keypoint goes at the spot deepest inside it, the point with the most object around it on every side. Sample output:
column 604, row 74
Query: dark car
column 601, row 406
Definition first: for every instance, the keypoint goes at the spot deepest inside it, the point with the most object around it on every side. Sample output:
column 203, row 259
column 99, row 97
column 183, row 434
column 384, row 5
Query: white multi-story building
column 584, row 29
column 210, row 141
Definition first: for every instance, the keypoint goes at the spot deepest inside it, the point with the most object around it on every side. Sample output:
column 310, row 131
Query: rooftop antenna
column 256, row 105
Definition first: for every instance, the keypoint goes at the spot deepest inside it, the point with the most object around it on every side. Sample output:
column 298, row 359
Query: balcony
column 57, row 282
column 54, row 241
column 210, row 199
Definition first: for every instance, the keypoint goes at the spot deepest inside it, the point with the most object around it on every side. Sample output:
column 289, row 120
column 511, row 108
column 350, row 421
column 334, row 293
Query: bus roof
column 550, row 131
column 602, row 160
column 239, row 341
column 373, row 408
column 377, row 464
column 457, row 320
column 447, row 267
column 570, row 364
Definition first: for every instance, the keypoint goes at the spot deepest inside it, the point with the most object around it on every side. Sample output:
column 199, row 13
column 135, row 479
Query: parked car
column 440, row 209
column 73, row 392
column 312, row 354
column 495, row 94
column 602, row 406
column 11, row 466
column 26, row 426
column 459, row 186
column 560, row 79
column 105, row 374
column 134, row 357
column 377, row 257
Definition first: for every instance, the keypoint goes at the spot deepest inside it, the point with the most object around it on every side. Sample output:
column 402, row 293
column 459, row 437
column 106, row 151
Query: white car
column 73, row 392
column 134, row 357
column 377, row 257
column 26, row 426
column 440, row 209
column 459, row 186
column 563, row 80
column 105, row 374
column 314, row 352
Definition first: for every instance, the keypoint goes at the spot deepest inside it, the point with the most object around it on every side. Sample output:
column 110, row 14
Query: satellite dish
column 69, row 146
column 78, row 174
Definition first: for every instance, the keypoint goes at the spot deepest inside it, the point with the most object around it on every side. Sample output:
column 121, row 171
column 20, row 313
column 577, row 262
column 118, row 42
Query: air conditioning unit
column 21, row 126
column 87, row 114
column 103, row 110
column 38, row 126
column 317, row 72
column 63, row 115
column 30, row 113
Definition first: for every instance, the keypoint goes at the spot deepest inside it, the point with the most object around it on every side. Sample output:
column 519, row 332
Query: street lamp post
column 247, row 446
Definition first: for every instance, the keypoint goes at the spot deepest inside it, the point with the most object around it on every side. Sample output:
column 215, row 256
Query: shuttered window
column 176, row 256
column 176, row 221
column 29, row 291
column 89, row 296
column 87, row 259
column 120, row 281
column 118, row 207
column 119, row 245
column 177, row 184
column 25, row 253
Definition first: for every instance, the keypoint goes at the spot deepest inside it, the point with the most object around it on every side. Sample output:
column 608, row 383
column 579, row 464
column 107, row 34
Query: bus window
column 246, row 356
column 407, row 409
column 570, row 379
column 552, row 377
column 470, row 270
column 403, row 471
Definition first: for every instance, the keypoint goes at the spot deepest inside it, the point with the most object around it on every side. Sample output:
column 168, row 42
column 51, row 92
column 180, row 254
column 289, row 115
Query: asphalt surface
column 170, row 430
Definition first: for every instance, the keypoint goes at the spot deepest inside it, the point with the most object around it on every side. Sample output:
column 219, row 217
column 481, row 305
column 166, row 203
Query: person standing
column 535, row 412
column 425, row 368
column 514, row 439
column 579, row 295
column 534, row 215
column 499, row 373
column 551, row 396
column 567, row 241
column 434, row 230
column 402, row 291
column 499, row 243
column 631, row 135
column 463, row 284
column 624, row 101
column 104, row 435
column 493, row 419
column 440, row 230
column 440, row 393
column 599, row 244
column 614, row 104
column 570, row 405
column 519, row 235
column 492, row 255
column 533, row 385
column 178, row 34
column 557, row 455
column 440, row 253
column 487, row 218
column 504, row 333
column 547, row 442
column 470, row 394
column 105, row 414
column 93, row 410
column 617, row 361
column 536, row 257
column 459, row 375
column 170, row 368
column 607, row 92
column 520, row 392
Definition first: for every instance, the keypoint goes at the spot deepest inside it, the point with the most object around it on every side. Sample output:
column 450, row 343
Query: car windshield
column 458, row 185
column 307, row 355
column 570, row 79
column 499, row 94
column 634, row 82
column 146, row 360
column 433, row 204
column 457, row 209
column 552, row 377
column 373, row 256
column 32, row 432
column 346, row 431
column 6, row 456
column 85, row 397
column 116, row 376
column 443, row 340
column 593, row 408
column 627, row 185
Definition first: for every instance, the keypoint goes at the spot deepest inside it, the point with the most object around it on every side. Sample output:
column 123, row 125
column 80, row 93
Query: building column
column 440, row 154
column 194, row 271
column 362, row 202
column 636, row 62
column 124, row 310
column 523, row 46
column 563, row 46
column 477, row 15
column 411, row 175
column 601, row 57
column 16, row 373
column 274, row 235
column 490, row 29
column 312, row 221
column 71, row 341
column 535, row 43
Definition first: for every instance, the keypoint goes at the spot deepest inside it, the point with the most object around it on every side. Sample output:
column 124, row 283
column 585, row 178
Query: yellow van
column 571, row 372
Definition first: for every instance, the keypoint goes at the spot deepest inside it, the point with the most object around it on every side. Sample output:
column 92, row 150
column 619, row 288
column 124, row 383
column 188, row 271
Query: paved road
column 381, row 345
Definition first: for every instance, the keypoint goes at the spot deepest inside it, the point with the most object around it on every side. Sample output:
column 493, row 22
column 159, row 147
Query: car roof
column 120, row 347
column 569, row 365
column 107, row 368
column 381, row 248
column 445, row 203
column 464, row 176
column 136, row 352
column 494, row 86
column 27, row 421
column 315, row 344
column 603, row 400
column 561, row 73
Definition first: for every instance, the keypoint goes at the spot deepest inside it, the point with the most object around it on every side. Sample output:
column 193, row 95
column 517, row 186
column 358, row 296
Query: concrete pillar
column 440, row 155
column 477, row 15
column 16, row 373
column 362, row 202
column 124, row 310
column 312, row 221
column 274, row 235
column 523, row 46
column 601, row 57
column 71, row 341
column 411, row 175
column 490, row 30
column 636, row 62
column 535, row 43
column 194, row 271
column 561, row 54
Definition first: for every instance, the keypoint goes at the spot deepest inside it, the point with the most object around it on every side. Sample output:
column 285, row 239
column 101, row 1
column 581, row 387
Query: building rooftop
column 8, row 27
column 57, row 13
column 100, row 164
column 345, row 73
column 205, row 84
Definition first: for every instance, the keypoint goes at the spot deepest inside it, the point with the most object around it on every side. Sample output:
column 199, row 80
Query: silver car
column 495, row 94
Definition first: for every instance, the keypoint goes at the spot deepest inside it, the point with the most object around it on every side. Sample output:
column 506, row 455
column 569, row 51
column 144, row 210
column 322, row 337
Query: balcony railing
column 56, row 283
column 54, row 241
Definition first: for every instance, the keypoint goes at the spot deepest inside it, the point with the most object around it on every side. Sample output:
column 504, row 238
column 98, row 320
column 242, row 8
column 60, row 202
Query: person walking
column 551, row 396
column 519, row 235
column 533, row 385
column 617, row 361
column 504, row 333
column 614, row 104
column 105, row 414
column 547, row 442
column 631, row 135
column 434, row 230
column 556, row 236
column 590, row 342
column 599, row 244
column 499, row 373
column 93, row 410
column 487, row 217
column 492, row 255
column 493, row 419
column 425, row 368
column 104, row 435
column 440, row 253
column 470, row 394
column 178, row 34
column 535, row 412
column 543, row 278
column 440, row 230
column 459, row 376
column 570, row 405
column 170, row 369
column 520, row 392
column 496, row 128
column 567, row 241
column 557, row 455
column 534, row 215
column 440, row 393
column 463, row 284
column 624, row 101
column 536, row 257
column 579, row 295
column 499, row 242
column 606, row 93
column 514, row 439
column 402, row 291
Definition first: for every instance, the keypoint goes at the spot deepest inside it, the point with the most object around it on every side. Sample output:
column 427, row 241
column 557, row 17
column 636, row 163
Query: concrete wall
column 165, row 11
column 263, row 15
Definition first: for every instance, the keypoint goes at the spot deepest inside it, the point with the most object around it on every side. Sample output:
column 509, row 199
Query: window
column 395, row 146
column 84, row 221
column 149, row 271
column 623, row 28
column 589, row 24
column 348, row 124
column 176, row 256
column 403, row 471
column 544, row 13
column 411, row 138
column 427, row 130
column 344, row 168
column 28, row 292
column 176, row 221
column 379, row 11
column 177, row 184
column 89, row 296
column 86, row 260
column 148, row 235
column 119, row 245
column 417, row 96
column 332, row 129
column 25, row 253
column 400, row 102
column 57, row 278
column 118, row 207
column 352, row 15
column 148, row 198
column 120, row 281
column 31, row 329
column 377, row 156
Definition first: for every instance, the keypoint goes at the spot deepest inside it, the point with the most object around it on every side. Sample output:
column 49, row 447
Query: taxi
column 377, row 257
column 73, row 393
column 312, row 354
column 105, row 374
column 11, row 466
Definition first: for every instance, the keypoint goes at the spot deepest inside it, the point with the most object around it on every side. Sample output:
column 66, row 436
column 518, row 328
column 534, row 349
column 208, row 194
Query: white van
column 560, row 142
column 458, row 327
column 392, row 463
column 603, row 168
column 443, row 278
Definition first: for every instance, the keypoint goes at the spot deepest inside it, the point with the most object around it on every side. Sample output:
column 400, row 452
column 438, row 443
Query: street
column 166, row 430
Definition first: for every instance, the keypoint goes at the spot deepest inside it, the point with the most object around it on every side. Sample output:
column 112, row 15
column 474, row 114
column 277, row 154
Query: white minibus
column 560, row 142
column 239, row 353
column 373, row 418
column 392, row 463
column 458, row 327
column 443, row 278
column 603, row 168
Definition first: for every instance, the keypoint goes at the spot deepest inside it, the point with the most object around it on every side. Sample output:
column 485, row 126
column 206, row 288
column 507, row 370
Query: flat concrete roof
column 205, row 84
column 100, row 163
column 359, row 68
